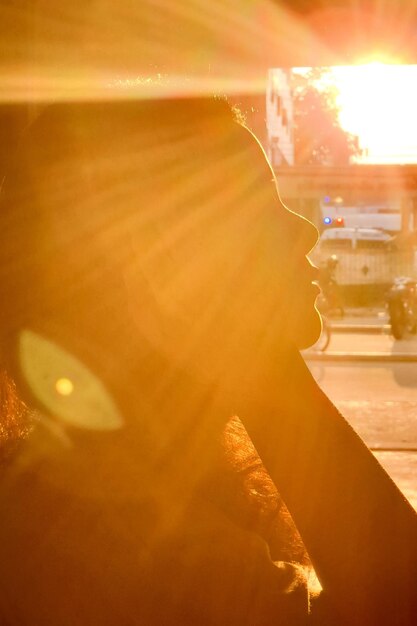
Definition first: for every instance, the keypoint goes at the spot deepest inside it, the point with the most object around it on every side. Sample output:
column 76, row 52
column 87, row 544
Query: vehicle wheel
column 397, row 324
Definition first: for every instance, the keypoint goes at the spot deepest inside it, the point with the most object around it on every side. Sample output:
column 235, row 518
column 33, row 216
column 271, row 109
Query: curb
column 360, row 328
column 367, row 357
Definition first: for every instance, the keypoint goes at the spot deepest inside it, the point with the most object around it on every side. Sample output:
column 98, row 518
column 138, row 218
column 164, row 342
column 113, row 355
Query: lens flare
column 64, row 386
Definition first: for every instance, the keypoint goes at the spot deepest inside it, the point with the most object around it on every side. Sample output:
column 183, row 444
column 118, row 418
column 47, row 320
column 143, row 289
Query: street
column 379, row 342
column 378, row 397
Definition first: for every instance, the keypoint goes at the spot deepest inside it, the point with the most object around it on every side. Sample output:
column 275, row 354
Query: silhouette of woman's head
column 149, row 275
column 152, row 223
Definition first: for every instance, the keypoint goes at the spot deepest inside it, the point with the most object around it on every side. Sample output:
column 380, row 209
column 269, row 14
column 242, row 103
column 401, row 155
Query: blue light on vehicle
column 327, row 220
column 326, row 199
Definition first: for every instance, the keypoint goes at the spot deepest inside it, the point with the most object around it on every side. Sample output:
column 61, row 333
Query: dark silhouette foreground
column 153, row 286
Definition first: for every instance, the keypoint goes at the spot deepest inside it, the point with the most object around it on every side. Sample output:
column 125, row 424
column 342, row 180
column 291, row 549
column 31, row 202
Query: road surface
column 379, row 399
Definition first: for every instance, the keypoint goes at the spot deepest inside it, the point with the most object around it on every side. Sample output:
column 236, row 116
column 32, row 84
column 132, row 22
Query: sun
column 377, row 102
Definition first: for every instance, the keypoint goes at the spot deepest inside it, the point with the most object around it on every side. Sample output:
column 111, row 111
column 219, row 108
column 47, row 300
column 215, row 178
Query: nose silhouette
column 304, row 234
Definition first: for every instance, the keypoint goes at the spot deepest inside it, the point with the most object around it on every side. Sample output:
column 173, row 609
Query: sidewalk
column 370, row 318
column 371, row 378
column 364, row 335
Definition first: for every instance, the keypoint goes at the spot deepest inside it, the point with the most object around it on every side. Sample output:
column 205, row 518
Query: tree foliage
column 319, row 138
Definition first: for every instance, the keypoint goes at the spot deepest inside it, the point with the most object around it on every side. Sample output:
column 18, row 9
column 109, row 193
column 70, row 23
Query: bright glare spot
column 379, row 58
column 378, row 103
column 375, row 64
column 64, row 386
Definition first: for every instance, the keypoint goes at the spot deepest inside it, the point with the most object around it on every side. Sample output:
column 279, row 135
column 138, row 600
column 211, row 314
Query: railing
column 364, row 275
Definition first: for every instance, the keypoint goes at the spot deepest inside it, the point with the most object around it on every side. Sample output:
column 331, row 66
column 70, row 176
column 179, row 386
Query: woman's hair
column 87, row 176
column 16, row 419
column 98, row 191
column 253, row 498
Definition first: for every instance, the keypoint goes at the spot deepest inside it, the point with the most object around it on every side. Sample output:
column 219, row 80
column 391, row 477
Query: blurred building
column 279, row 118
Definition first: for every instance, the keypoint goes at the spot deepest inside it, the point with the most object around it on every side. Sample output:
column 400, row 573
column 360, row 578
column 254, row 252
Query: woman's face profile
column 233, row 273
column 284, row 273
column 294, row 238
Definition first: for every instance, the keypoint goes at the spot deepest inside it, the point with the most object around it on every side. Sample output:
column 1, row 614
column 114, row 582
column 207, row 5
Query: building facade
column 279, row 118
